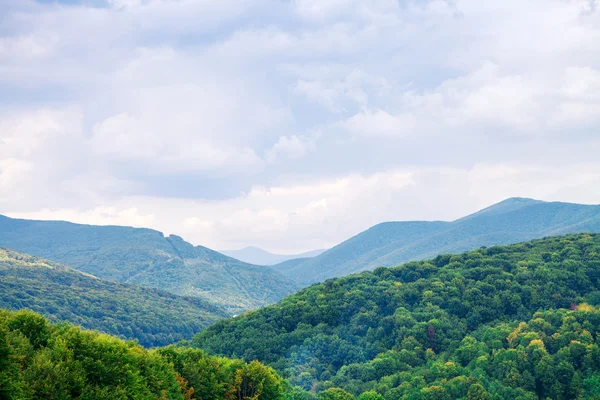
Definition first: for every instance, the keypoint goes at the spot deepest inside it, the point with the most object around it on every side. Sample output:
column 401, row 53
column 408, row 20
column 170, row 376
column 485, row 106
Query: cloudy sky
column 294, row 124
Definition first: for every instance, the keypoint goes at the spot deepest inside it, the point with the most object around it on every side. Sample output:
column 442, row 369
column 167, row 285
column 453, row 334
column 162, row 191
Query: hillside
column 505, row 322
column 146, row 257
column 39, row 360
column 392, row 243
column 258, row 256
column 153, row 317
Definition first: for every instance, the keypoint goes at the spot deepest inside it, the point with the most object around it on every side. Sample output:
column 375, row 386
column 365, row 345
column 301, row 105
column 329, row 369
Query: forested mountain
column 152, row 316
column 392, row 243
column 505, row 322
column 255, row 255
column 146, row 257
column 42, row 361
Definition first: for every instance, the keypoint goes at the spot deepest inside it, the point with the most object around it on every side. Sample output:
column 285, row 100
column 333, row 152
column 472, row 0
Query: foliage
column 517, row 321
column 392, row 243
column 335, row 394
column 370, row 396
column 153, row 317
column 39, row 360
column 146, row 257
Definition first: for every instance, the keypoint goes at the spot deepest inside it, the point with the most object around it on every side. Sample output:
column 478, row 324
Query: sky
column 292, row 125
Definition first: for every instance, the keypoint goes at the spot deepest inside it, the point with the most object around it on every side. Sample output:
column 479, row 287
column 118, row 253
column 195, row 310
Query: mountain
column 255, row 255
column 392, row 243
column 152, row 316
column 39, row 360
column 506, row 322
column 146, row 257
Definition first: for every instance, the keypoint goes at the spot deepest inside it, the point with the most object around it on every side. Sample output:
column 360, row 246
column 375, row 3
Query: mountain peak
column 513, row 220
column 504, row 206
column 519, row 200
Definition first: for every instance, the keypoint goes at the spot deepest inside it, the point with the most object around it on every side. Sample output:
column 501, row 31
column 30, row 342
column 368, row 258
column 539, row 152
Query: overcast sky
column 294, row 124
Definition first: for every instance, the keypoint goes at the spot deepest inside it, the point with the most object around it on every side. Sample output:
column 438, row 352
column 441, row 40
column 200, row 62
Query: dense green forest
column 393, row 243
column 39, row 360
column 146, row 257
column 513, row 322
column 153, row 317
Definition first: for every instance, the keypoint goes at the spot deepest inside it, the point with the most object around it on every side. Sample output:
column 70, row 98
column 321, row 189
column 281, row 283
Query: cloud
column 380, row 123
column 292, row 125
column 97, row 216
column 27, row 47
column 338, row 89
column 284, row 217
column 23, row 134
column 13, row 172
column 123, row 137
column 290, row 147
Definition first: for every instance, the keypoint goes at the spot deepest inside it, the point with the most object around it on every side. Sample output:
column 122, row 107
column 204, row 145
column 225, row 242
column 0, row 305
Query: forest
column 513, row 322
column 40, row 360
column 506, row 322
column 151, row 316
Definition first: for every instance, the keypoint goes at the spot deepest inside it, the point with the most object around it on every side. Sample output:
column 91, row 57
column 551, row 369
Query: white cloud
column 380, row 123
column 22, row 134
column 125, row 3
column 336, row 88
column 296, row 217
column 96, row 216
column 331, row 9
column 30, row 143
column 13, row 172
column 144, row 140
column 292, row 125
column 290, row 147
column 28, row 46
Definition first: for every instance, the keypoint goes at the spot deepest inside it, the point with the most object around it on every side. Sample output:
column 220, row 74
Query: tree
column 335, row 394
column 32, row 325
column 10, row 381
column 370, row 396
column 477, row 392
column 255, row 381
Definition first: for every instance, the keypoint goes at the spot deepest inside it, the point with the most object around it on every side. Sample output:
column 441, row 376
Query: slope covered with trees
column 146, row 257
column 392, row 243
column 513, row 322
column 39, row 360
column 152, row 316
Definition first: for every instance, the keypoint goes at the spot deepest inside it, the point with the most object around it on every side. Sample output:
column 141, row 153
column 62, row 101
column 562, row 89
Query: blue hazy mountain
column 258, row 256
column 393, row 243
column 146, row 257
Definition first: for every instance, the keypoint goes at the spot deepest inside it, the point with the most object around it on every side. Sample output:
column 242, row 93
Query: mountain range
column 148, row 258
column 501, row 321
column 151, row 316
column 258, row 256
column 393, row 243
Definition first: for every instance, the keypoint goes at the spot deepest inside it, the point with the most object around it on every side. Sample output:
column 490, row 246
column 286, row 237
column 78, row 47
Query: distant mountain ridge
column 258, row 256
column 393, row 243
column 152, row 316
column 146, row 257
